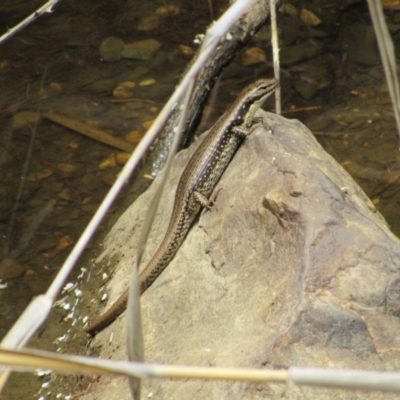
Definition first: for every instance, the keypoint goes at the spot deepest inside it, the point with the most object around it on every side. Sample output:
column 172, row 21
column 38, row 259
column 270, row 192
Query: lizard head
column 253, row 97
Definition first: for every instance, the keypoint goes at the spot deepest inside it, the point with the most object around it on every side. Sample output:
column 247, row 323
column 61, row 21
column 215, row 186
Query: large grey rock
column 293, row 267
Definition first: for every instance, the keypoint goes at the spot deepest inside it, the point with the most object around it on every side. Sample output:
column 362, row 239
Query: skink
column 196, row 184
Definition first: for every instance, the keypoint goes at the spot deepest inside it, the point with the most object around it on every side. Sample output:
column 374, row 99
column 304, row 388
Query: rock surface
column 293, row 267
column 10, row 269
column 111, row 48
column 142, row 49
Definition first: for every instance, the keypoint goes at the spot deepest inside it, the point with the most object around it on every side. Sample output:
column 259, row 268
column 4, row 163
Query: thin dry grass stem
column 134, row 327
column 30, row 360
column 275, row 54
column 134, row 332
column 211, row 9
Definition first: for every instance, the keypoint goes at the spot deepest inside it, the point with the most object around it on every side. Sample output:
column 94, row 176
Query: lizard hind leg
column 204, row 202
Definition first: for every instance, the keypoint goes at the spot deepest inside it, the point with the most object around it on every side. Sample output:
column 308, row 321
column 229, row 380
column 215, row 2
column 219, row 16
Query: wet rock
column 360, row 44
column 165, row 11
column 36, row 203
column 64, row 223
column 140, row 71
column 7, row 202
column 108, row 176
column 186, row 51
column 65, row 194
column 109, row 162
column 24, row 119
column 10, row 269
column 147, row 82
column 147, row 124
column 91, row 181
column 159, row 60
column 376, row 73
column 252, row 56
column 393, row 28
column 46, row 244
column 90, row 208
column 124, row 90
column 344, row 5
column 64, row 243
column 134, row 106
column 133, row 137
column 357, row 122
column 383, row 97
column 306, row 89
column 149, row 24
column 55, row 87
column 298, row 52
column 290, row 35
column 66, row 168
column 390, row 4
column 57, row 187
column 122, row 158
column 142, row 49
column 160, row 91
column 137, row 73
column 40, row 175
column 309, row 18
column 317, row 33
column 101, row 86
column 289, row 9
column 320, row 123
column 111, row 48
column 308, row 85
